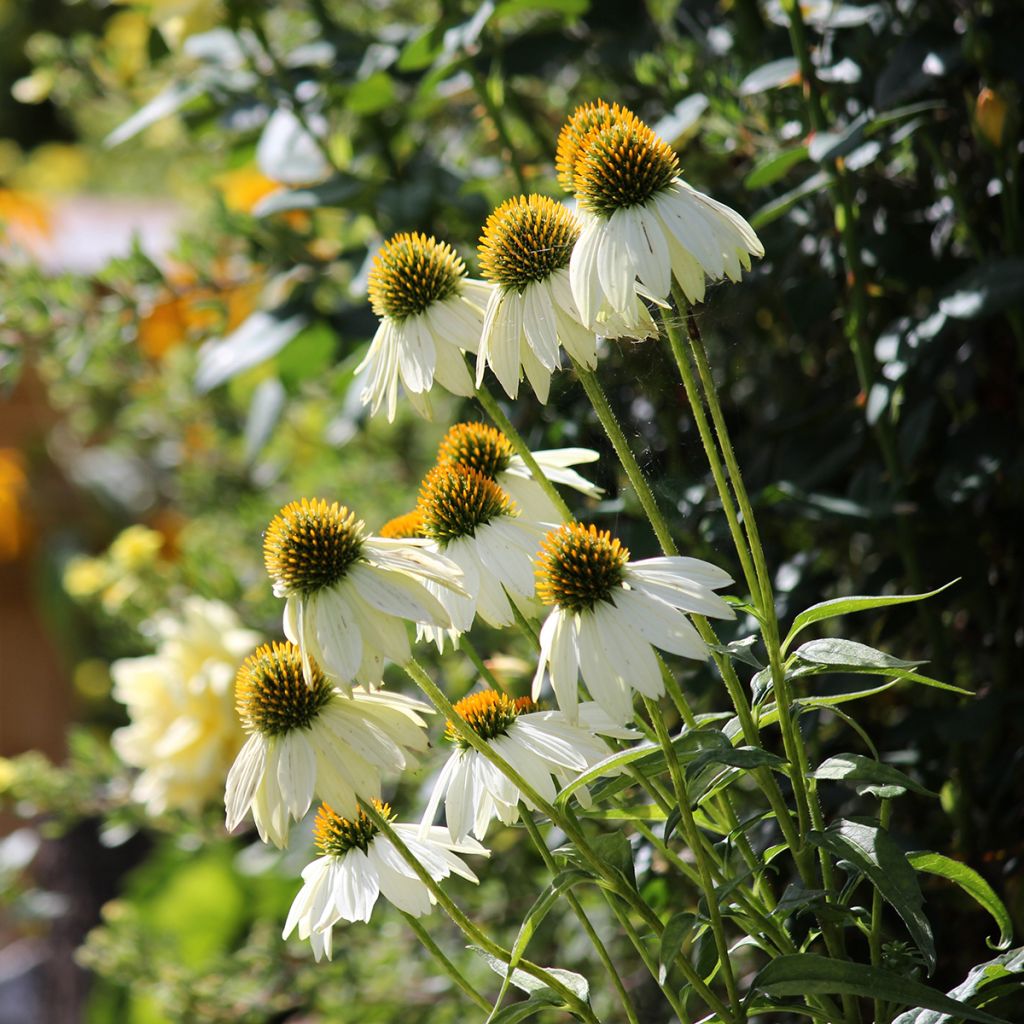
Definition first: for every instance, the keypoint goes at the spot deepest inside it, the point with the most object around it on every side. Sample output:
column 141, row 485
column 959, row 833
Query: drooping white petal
column 243, row 779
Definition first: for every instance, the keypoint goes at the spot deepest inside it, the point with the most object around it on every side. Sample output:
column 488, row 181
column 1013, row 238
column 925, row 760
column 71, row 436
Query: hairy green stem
column 445, row 964
column 469, row 929
column 526, row 815
column 694, row 840
column 504, row 424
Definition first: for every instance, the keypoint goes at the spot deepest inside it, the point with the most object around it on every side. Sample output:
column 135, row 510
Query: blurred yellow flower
column 8, row 773
column 54, row 167
column 126, row 44
column 84, row 577
column 244, row 187
column 178, row 19
column 23, row 215
column 990, row 115
column 184, row 733
column 14, row 523
column 136, row 547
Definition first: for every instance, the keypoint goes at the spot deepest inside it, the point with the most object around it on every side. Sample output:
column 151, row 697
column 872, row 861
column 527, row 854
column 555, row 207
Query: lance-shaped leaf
column 802, row 974
column 867, row 775
column 885, row 865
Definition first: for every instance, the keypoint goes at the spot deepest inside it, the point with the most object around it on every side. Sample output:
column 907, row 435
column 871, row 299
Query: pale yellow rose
column 184, row 733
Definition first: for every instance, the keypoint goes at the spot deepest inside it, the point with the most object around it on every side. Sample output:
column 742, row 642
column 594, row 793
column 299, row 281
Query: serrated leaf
column 770, row 76
column 884, row 864
column 801, row 974
column 971, row 882
column 979, row 978
column 848, row 606
column 868, row 776
column 736, row 757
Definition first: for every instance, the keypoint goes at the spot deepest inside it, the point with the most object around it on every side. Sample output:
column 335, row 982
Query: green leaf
column 736, row 757
column 522, row 1011
column 847, row 606
column 614, row 849
column 777, row 207
column 868, row 776
column 838, row 653
column 986, row 290
column 576, row 983
column 338, row 191
column 566, row 8
column 801, row 974
column 770, row 76
column 739, row 650
column 679, row 926
column 165, row 103
column 980, row 979
column 773, row 166
column 971, row 882
column 884, row 864
column 372, row 95
column 261, row 335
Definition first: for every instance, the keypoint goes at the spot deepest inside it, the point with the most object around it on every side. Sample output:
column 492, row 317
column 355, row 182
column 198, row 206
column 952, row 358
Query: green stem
column 693, row 838
column 504, row 424
column 565, row 821
column 808, row 808
column 875, row 935
column 470, row 930
column 526, row 816
column 467, row 648
column 498, row 120
column 599, row 401
column 704, row 430
column 445, row 964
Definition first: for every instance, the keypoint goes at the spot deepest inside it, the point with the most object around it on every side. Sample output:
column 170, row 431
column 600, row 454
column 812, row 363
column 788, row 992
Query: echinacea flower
column 358, row 863
column 545, row 748
column 430, row 313
column 475, row 524
column 610, row 613
column 306, row 739
column 524, row 252
column 488, row 451
column 642, row 224
column 348, row 593
column 182, row 729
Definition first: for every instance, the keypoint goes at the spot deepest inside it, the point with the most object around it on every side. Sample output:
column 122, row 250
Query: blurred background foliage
column 871, row 367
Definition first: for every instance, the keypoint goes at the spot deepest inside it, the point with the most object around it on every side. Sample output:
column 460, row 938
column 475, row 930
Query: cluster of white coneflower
column 485, row 540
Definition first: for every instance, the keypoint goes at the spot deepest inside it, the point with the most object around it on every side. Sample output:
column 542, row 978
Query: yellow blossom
column 183, row 732
column 84, row 577
column 990, row 115
column 136, row 547
column 14, row 524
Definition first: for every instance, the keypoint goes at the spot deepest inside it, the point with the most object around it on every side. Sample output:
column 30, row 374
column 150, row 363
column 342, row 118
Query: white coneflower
column 488, row 451
column 430, row 313
column 545, row 748
column 609, row 614
column 306, row 739
column 524, row 252
column 358, row 863
column 641, row 223
column 477, row 526
column 348, row 593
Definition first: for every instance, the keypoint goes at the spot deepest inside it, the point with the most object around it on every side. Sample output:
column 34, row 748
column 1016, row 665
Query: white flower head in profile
column 642, row 225
column 358, row 863
column 348, row 594
column 182, row 731
column 488, row 451
column 524, row 252
column 475, row 524
column 306, row 739
column 542, row 746
column 430, row 313
column 610, row 613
